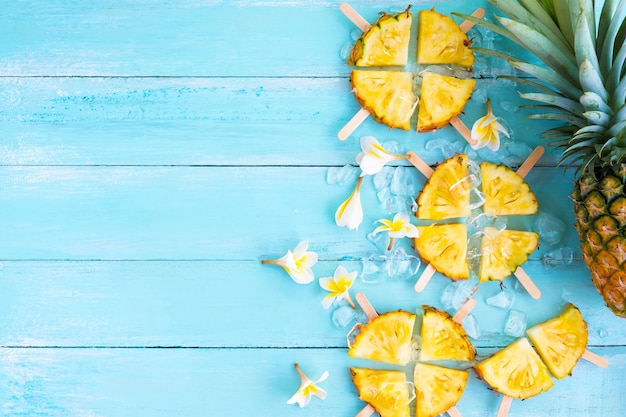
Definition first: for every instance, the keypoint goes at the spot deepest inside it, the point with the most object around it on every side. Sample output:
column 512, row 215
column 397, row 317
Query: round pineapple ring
column 389, row 95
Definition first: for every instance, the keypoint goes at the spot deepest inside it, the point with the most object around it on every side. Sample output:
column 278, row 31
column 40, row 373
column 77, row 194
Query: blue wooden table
column 154, row 152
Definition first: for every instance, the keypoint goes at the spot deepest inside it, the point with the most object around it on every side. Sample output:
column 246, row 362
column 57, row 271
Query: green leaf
column 564, row 103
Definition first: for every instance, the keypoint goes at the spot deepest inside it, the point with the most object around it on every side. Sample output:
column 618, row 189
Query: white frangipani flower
column 399, row 227
column 298, row 263
column 486, row 131
column 373, row 156
column 338, row 285
column 308, row 389
column 350, row 212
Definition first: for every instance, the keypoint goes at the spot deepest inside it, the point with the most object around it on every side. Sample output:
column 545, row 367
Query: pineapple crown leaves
column 581, row 80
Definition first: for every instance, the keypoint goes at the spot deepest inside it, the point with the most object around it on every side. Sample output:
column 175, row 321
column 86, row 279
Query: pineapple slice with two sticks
column 444, row 247
column 388, row 338
column 442, row 41
column 506, row 192
column 503, row 251
column 437, row 388
column 385, row 43
column 561, row 341
column 442, row 338
column 387, row 391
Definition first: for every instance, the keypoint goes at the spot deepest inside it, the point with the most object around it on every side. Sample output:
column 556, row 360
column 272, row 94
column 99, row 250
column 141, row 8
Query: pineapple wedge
column 387, row 339
column 386, row 391
column 506, row 193
column 443, row 338
column 386, row 43
column 503, row 251
column 441, row 41
column 516, row 371
column 437, row 389
column 446, row 194
column 442, row 98
column 561, row 341
column 444, row 246
column 387, row 95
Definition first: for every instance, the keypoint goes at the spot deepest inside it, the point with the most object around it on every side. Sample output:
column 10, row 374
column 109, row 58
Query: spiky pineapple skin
column 600, row 207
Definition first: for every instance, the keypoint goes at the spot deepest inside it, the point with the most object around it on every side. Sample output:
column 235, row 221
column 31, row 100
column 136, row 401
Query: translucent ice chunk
column 470, row 324
column 344, row 52
column 398, row 204
column 401, row 265
column 394, row 147
column 373, row 270
column 382, row 178
column 515, row 324
column 355, row 34
column 503, row 299
column 380, row 240
column 477, row 198
column 447, row 148
column 342, row 175
column 344, row 316
column 558, row 257
column 403, row 182
column 549, row 227
column 383, row 195
column 456, row 293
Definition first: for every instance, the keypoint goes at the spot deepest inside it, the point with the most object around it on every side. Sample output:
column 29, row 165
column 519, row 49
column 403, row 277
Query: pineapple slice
column 385, row 43
column 503, row 251
column 561, row 341
column 444, row 246
column 443, row 338
column 442, row 98
column 441, row 41
column 437, row 388
column 387, row 95
column 386, row 391
column 516, row 371
column 446, row 194
column 387, row 339
column 506, row 193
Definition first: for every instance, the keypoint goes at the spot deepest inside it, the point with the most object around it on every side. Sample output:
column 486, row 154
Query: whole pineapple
column 582, row 86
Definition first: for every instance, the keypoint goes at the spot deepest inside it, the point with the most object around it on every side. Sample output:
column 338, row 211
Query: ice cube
column 515, row 324
column 398, row 204
column 342, row 175
column 372, row 271
column 401, row 265
column 558, row 257
column 456, row 293
column 343, row 316
column 447, row 148
column 503, row 299
column 382, row 178
column 470, row 324
column 380, row 240
column 403, row 182
column 549, row 227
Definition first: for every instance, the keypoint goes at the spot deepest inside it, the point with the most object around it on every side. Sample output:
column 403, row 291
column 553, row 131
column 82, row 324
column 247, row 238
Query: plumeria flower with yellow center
column 486, row 131
column 308, row 389
column 298, row 263
column 399, row 227
column 350, row 212
column 373, row 156
column 339, row 286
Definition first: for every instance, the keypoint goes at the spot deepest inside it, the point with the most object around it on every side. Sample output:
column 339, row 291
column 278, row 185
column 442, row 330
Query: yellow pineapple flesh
column 561, row 341
column 443, row 338
column 502, row 251
column 446, row 194
column 444, row 246
column 442, row 97
column 386, row 43
column 516, row 371
column 441, row 41
column 385, row 390
column 506, row 192
column 387, row 95
column 437, row 388
column 387, row 338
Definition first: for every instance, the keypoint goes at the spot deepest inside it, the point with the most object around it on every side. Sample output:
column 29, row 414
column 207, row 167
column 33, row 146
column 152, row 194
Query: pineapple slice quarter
column 516, row 371
column 386, row 43
column 441, row 41
column 561, row 341
column 444, row 246
column 503, row 251
column 387, row 338
column 437, row 388
column 443, row 338
column 442, row 98
column 506, row 193
column 387, row 95
column 385, row 390
column 446, row 194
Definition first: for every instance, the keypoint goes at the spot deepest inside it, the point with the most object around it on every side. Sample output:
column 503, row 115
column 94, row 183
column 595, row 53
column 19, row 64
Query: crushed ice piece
column 380, row 240
column 504, row 300
column 398, row 204
column 509, row 106
column 394, row 147
column 344, row 52
column 355, row 34
column 558, row 257
column 403, row 182
column 383, row 195
column 477, row 198
column 470, row 324
column 401, row 265
column 515, row 324
column 550, row 228
column 372, row 271
column 343, row 316
column 447, row 148
column 457, row 292
column 382, row 179
column 342, row 175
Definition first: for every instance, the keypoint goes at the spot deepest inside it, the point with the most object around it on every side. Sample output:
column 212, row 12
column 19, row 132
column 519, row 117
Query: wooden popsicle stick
column 419, row 163
column 464, row 310
column 530, row 162
column 527, row 283
column 366, row 411
column 367, row 308
column 353, row 123
column 467, row 24
column 423, row 280
column 355, row 17
column 462, row 129
column 595, row 359
column 454, row 412
column 505, row 405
